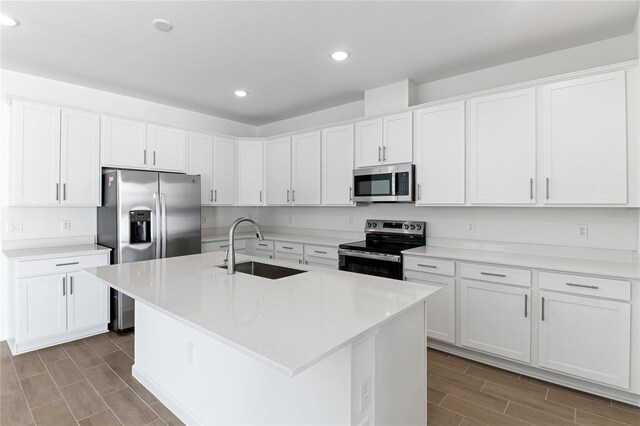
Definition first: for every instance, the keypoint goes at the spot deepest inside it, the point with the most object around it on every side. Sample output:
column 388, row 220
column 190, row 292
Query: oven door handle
column 366, row 255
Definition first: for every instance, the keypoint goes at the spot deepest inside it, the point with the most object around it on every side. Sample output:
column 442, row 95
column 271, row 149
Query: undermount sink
column 265, row 270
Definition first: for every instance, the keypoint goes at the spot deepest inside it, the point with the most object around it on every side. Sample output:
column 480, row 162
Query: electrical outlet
column 191, row 353
column 65, row 225
column 365, row 394
column 350, row 220
column 582, row 231
column 471, row 226
column 203, row 220
column 14, row 227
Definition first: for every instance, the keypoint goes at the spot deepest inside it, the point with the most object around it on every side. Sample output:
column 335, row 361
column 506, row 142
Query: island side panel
column 400, row 375
column 205, row 381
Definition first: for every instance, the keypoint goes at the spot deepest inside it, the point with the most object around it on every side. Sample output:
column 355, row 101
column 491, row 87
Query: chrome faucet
column 231, row 253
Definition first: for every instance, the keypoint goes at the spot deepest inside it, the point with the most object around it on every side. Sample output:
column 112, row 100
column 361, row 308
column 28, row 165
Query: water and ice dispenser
column 139, row 226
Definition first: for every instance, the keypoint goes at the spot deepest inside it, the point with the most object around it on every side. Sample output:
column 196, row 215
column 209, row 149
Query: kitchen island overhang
column 323, row 346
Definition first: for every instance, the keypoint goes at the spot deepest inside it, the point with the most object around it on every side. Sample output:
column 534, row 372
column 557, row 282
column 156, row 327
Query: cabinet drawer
column 289, row 247
column 60, row 264
column 326, row 252
column 264, row 245
column 223, row 245
column 498, row 274
column 290, row 257
column 432, row 266
column 590, row 286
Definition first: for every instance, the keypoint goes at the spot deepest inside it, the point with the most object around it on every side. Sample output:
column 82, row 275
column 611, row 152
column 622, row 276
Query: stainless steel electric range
column 380, row 253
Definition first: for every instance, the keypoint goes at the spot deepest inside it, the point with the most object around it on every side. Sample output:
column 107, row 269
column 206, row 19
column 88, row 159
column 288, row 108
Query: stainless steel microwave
column 384, row 184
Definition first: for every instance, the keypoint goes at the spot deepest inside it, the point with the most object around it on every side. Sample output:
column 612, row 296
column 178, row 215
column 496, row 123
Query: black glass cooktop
column 387, row 247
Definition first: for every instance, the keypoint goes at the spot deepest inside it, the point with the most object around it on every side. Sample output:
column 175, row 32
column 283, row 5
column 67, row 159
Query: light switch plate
column 14, row 227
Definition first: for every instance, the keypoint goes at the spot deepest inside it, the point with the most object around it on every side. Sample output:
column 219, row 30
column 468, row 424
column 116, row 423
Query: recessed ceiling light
column 241, row 93
column 8, row 21
column 339, row 55
column 162, row 24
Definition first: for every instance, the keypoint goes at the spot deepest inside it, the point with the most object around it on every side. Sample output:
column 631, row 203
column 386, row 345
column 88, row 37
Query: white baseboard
column 163, row 396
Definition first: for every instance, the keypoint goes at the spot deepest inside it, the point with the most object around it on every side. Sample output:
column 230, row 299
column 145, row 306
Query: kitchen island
column 318, row 347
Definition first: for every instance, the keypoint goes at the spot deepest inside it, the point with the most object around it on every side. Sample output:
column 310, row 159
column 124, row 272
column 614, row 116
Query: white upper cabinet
column 250, row 172
column 585, row 140
column 201, row 163
column 368, row 142
column 167, row 147
column 35, row 154
column 337, row 166
column 80, row 158
column 306, row 172
column 440, row 151
column 277, row 153
column 124, row 143
column 384, row 140
column 397, row 141
column 502, row 135
column 54, row 156
column 223, row 170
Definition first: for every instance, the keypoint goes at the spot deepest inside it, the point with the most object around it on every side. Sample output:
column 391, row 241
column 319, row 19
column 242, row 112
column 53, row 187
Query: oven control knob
column 406, row 226
column 413, row 227
column 369, row 224
column 418, row 227
column 375, row 224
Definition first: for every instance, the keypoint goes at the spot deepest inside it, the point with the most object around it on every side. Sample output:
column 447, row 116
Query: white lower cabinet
column 55, row 301
column 289, row 257
column 239, row 246
column 495, row 318
column 321, row 262
column 585, row 337
column 441, row 307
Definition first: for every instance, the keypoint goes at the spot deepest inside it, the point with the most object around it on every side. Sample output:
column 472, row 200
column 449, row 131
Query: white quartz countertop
column 290, row 323
column 275, row 236
column 563, row 264
column 50, row 252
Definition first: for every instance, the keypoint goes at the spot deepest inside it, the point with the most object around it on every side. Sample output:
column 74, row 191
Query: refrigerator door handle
column 163, row 207
column 156, row 199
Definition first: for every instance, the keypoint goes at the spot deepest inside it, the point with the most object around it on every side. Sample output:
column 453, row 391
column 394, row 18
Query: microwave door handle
column 393, row 184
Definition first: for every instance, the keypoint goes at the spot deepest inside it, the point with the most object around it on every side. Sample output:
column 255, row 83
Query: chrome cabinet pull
column 427, row 266
column 67, row 264
column 288, row 248
column 419, row 192
column 531, row 189
column 144, row 157
column 64, row 191
column 526, row 300
column 547, row 186
column 543, row 309
column 64, row 286
column 320, row 252
column 594, row 287
column 300, row 261
column 491, row 274
column 384, row 153
column 261, row 196
column 379, row 155
column 211, row 195
column 306, row 262
column 215, row 195
column 287, row 195
column 57, row 192
column 71, row 285
column 293, row 195
column 154, row 157
column 351, row 193
column 263, row 245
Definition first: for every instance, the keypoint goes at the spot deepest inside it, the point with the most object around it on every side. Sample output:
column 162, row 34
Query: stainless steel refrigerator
column 146, row 215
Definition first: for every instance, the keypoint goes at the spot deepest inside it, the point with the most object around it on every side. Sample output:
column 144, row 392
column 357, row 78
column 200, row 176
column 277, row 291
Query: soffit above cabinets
column 279, row 51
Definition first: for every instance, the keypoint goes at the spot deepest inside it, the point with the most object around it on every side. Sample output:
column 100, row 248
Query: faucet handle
column 226, row 256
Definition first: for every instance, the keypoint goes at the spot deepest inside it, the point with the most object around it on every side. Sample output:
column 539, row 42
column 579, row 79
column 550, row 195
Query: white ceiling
column 278, row 51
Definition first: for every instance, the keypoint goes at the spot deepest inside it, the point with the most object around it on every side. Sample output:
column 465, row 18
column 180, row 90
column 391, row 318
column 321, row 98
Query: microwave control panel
column 402, row 183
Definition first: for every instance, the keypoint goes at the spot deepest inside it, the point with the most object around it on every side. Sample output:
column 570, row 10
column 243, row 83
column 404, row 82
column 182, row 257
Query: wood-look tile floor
column 86, row 382
column 464, row 392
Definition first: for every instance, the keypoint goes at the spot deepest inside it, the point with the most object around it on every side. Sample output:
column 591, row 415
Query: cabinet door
column 306, row 172
column 250, row 172
column 440, row 141
column 368, row 143
column 42, row 306
column 441, row 307
column 289, row 257
column 87, row 301
column 278, row 171
column 397, row 144
column 495, row 318
column 123, row 143
column 585, row 140
column 585, row 337
column 337, row 166
column 201, row 163
column 223, row 170
column 80, row 158
column 168, row 148
column 35, row 154
column 503, row 148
